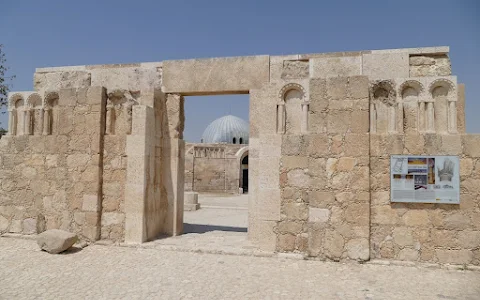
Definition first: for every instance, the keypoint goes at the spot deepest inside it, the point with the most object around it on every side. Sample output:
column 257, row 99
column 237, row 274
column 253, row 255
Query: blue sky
column 58, row 32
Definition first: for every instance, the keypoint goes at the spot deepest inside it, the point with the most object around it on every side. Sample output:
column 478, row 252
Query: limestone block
column 112, row 218
column 286, row 242
column 276, row 65
column 318, row 215
column 30, row 226
column 55, row 241
column 357, row 213
column 416, row 218
column 54, row 81
column 289, row 227
column 337, row 88
column 294, row 162
column 454, row 256
column 452, row 144
column 4, row 223
column 408, row 254
column 384, row 215
column 261, row 233
column 334, row 245
column 360, row 122
column 295, row 211
column 403, row 236
column 469, row 239
column 338, row 121
column 134, row 78
column 336, row 66
column 346, row 164
column 90, row 203
column 358, row 249
column 293, row 69
column 191, row 201
column 15, row 227
column 357, row 144
column 320, row 199
column 414, row 144
column 386, row 65
column 471, row 145
column 266, row 206
column 221, row 75
column 298, row 178
column 457, row 221
column 318, row 145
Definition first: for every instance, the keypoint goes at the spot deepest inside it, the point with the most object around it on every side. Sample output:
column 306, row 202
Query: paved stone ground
column 111, row 272
column 219, row 226
column 223, row 200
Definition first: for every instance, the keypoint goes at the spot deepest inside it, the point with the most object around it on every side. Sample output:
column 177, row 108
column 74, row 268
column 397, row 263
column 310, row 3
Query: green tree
column 4, row 81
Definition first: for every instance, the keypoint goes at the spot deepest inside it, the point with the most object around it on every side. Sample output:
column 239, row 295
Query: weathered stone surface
column 55, row 241
column 222, row 75
column 358, row 249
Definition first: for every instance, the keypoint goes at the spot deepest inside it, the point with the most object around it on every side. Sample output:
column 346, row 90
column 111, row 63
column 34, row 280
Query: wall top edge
column 413, row 51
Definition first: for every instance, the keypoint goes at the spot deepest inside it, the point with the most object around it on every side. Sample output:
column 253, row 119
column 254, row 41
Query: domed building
column 219, row 163
column 228, row 129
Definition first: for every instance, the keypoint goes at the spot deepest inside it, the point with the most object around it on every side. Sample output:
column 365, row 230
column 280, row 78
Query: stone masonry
column 99, row 151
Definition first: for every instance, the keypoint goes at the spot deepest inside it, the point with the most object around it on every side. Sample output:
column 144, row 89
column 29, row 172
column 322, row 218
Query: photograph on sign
column 425, row 179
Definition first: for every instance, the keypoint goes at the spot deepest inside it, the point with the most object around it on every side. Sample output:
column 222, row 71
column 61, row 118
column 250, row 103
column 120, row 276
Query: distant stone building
column 219, row 164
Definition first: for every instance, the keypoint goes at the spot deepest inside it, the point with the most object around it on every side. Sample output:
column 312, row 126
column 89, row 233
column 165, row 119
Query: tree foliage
column 4, row 79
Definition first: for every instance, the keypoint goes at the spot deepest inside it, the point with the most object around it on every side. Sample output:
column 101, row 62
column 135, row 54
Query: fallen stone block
column 55, row 240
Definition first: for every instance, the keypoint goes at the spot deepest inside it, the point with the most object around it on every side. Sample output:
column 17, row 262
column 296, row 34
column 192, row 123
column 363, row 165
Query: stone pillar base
column 191, row 201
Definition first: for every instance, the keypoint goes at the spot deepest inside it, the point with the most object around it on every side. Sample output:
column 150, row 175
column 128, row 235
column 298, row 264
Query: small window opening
column 234, row 140
column 240, row 141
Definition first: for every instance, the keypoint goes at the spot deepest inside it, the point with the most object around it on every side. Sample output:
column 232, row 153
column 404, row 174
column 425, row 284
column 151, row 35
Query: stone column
column 108, row 123
column 430, row 117
column 421, row 117
column 281, row 118
column 391, row 119
column 128, row 114
column 12, row 124
column 26, row 121
column 452, row 117
column 304, row 124
column 400, row 117
column 373, row 118
column 46, row 121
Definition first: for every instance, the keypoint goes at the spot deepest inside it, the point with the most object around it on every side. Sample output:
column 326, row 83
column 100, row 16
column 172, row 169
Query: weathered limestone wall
column 324, row 174
column 52, row 178
column 322, row 129
column 146, row 203
column 425, row 232
column 212, row 167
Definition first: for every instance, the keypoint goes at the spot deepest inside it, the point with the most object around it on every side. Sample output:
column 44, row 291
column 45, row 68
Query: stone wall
column 438, row 233
column 55, row 180
column 213, row 167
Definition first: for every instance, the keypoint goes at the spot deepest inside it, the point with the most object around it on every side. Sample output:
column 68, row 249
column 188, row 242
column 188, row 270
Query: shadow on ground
column 199, row 228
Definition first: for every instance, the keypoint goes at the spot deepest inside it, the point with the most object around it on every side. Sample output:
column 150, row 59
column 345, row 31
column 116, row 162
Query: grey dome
column 225, row 130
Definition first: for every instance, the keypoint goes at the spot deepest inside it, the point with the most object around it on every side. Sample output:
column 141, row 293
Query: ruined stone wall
column 52, row 177
column 439, row 233
column 324, row 174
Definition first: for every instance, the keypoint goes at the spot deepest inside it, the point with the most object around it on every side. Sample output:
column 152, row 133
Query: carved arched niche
column 443, row 107
column 412, row 116
column 292, row 110
column 383, row 105
column 16, row 119
column 51, row 113
column 34, row 115
column 119, row 112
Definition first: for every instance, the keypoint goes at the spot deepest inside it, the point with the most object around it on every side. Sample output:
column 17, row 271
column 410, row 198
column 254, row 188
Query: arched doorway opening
column 244, row 173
